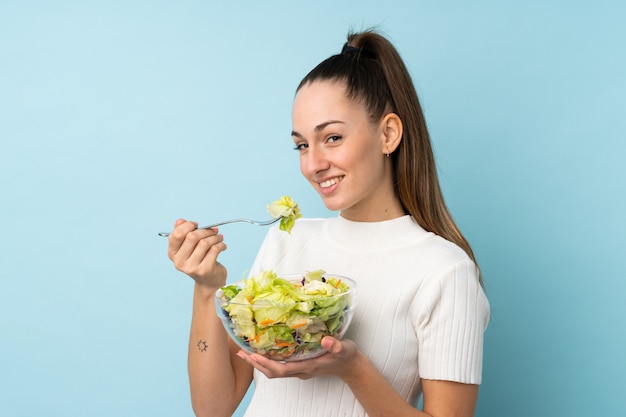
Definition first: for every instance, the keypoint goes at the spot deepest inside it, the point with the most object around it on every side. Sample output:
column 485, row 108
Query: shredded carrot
column 283, row 344
column 266, row 322
column 257, row 336
column 337, row 283
column 302, row 323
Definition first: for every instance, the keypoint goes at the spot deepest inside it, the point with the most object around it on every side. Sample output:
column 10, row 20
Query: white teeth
column 329, row 182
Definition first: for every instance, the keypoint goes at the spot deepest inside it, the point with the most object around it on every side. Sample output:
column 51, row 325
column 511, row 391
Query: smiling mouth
column 330, row 182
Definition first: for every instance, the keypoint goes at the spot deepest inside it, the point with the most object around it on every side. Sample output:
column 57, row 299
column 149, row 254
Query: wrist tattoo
column 202, row 346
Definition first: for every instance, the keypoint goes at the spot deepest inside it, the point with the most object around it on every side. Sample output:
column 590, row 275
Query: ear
column 391, row 129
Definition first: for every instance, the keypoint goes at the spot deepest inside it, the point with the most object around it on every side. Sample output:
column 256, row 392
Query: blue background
column 117, row 117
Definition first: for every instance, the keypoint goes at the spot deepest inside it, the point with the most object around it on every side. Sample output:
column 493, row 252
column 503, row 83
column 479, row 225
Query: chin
column 333, row 204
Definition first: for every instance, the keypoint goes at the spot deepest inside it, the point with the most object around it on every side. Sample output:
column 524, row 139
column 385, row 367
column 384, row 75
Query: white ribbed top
column 421, row 312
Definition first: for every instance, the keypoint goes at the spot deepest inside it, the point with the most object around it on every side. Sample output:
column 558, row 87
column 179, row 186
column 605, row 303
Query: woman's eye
column 300, row 146
column 334, row 138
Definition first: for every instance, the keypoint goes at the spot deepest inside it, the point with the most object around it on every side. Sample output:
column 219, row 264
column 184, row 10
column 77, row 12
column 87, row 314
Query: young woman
column 418, row 326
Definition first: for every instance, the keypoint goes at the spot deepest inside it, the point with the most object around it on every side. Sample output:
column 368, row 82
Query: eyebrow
column 318, row 128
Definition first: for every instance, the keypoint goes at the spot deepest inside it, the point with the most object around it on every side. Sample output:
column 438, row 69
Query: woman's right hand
column 194, row 251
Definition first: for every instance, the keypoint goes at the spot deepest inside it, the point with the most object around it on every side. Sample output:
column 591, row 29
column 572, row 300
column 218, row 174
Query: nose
column 314, row 161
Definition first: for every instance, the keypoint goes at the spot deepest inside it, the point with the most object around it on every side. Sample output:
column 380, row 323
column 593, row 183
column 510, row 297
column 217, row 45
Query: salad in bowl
column 285, row 317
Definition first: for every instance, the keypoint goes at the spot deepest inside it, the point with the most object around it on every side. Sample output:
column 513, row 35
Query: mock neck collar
column 387, row 234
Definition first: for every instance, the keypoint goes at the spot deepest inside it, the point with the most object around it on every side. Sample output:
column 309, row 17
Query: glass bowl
column 291, row 330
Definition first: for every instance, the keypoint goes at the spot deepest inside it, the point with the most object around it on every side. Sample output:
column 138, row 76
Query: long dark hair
column 374, row 73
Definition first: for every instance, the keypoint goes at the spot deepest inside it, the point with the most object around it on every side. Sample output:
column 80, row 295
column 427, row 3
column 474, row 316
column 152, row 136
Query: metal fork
column 267, row 223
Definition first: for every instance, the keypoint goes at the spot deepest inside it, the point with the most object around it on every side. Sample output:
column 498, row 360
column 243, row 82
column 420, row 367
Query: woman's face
column 342, row 153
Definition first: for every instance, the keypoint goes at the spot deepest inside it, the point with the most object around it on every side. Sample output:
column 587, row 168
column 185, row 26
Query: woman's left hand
column 336, row 361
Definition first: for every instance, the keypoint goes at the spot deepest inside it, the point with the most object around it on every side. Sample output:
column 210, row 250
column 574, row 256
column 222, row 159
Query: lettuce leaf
column 288, row 211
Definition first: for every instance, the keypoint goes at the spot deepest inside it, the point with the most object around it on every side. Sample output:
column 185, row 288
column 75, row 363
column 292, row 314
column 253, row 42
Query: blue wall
column 118, row 117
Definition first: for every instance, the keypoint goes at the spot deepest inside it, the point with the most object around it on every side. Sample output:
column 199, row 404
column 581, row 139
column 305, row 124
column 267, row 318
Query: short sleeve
column 452, row 313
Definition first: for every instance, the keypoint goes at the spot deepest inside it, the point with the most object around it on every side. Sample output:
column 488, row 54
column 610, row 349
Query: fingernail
column 327, row 343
